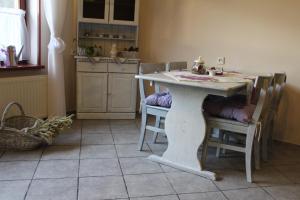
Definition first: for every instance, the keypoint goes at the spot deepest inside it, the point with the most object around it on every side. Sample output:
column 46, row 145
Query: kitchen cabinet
column 106, row 90
column 91, row 92
column 123, row 12
column 121, row 92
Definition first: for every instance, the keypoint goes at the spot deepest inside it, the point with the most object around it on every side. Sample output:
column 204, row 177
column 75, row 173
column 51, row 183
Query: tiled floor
column 98, row 160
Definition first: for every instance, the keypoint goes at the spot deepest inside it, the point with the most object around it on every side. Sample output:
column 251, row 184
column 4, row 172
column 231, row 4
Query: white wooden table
column 185, row 124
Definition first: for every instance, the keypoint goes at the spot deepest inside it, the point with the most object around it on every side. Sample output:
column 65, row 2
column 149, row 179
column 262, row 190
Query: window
column 13, row 28
column 10, row 3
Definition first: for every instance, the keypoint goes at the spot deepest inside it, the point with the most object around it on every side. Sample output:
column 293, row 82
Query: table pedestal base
column 205, row 174
column 186, row 130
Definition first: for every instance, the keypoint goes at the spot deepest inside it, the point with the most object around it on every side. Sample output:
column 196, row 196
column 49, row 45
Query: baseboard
column 106, row 115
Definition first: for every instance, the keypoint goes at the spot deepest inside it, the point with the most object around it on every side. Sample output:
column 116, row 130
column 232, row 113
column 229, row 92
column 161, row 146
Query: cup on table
column 212, row 72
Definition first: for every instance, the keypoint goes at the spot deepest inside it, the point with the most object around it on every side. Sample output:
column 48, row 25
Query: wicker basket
column 14, row 131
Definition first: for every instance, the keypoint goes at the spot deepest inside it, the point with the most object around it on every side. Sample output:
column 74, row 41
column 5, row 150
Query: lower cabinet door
column 122, row 89
column 91, row 92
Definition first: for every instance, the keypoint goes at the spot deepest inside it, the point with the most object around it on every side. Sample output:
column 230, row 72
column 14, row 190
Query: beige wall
column 253, row 35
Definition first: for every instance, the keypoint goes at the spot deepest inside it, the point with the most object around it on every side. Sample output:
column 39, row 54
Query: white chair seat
column 157, row 108
column 228, row 125
column 229, row 121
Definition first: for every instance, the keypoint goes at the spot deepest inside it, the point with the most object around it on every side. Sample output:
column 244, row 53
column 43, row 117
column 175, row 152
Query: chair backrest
column 182, row 65
column 261, row 82
column 278, row 85
column 260, row 105
column 279, row 79
column 148, row 68
column 265, row 92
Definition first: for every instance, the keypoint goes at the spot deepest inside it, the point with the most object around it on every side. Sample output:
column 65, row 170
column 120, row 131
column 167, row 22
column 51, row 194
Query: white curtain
column 55, row 12
column 14, row 31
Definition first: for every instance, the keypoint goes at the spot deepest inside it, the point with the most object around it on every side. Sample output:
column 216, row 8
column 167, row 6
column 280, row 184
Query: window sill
column 25, row 67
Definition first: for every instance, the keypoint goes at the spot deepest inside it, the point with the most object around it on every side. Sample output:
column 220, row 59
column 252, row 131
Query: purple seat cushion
column 234, row 108
column 163, row 99
column 243, row 114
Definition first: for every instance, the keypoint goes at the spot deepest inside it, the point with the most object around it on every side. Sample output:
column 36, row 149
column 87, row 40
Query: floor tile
column 95, row 138
column 292, row 172
column 76, row 123
column 213, row 163
column 184, row 182
column 148, row 185
column 99, row 167
column 61, row 152
column 13, row 190
column 233, row 179
column 169, row 169
column 157, row 148
column 281, row 159
column 126, row 138
column 287, row 192
column 130, row 150
column 57, row 169
column 122, row 122
column 161, row 138
column 74, row 129
column 89, row 126
column 68, row 139
column 247, row 194
column 268, row 176
column 203, row 196
column 22, row 155
column 101, row 172
column 170, row 197
column 98, row 151
column 139, row 166
column 17, row 170
column 120, row 125
column 98, row 188
column 49, row 189
column 284, row 155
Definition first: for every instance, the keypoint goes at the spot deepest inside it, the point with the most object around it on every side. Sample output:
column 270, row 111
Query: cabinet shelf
column 101, row 38
column 106, row 59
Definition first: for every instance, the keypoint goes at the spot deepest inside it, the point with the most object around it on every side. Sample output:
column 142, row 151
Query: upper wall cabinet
column 124, row 12
column 93, row 11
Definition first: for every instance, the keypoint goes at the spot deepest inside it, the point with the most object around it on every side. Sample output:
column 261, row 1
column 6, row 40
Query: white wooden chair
column 147, row 68
column 267, row 138
column 260, row 82
column 157, row 111
column 169, row 67
column 248, row 130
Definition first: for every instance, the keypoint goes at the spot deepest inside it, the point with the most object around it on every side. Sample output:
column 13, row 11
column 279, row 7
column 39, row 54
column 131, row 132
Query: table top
column 225, row 88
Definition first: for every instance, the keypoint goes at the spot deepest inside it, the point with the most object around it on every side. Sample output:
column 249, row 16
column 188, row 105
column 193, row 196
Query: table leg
column 185, row 128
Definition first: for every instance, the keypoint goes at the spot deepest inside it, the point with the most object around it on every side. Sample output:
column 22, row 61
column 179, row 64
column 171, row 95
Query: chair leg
column 220, row 140
column 143, row 130
column 226, row 141
column 270, row 138
column 265, row 143
column 157, row 125
column 248, row 152
column 205, row 146
column 257, row 153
